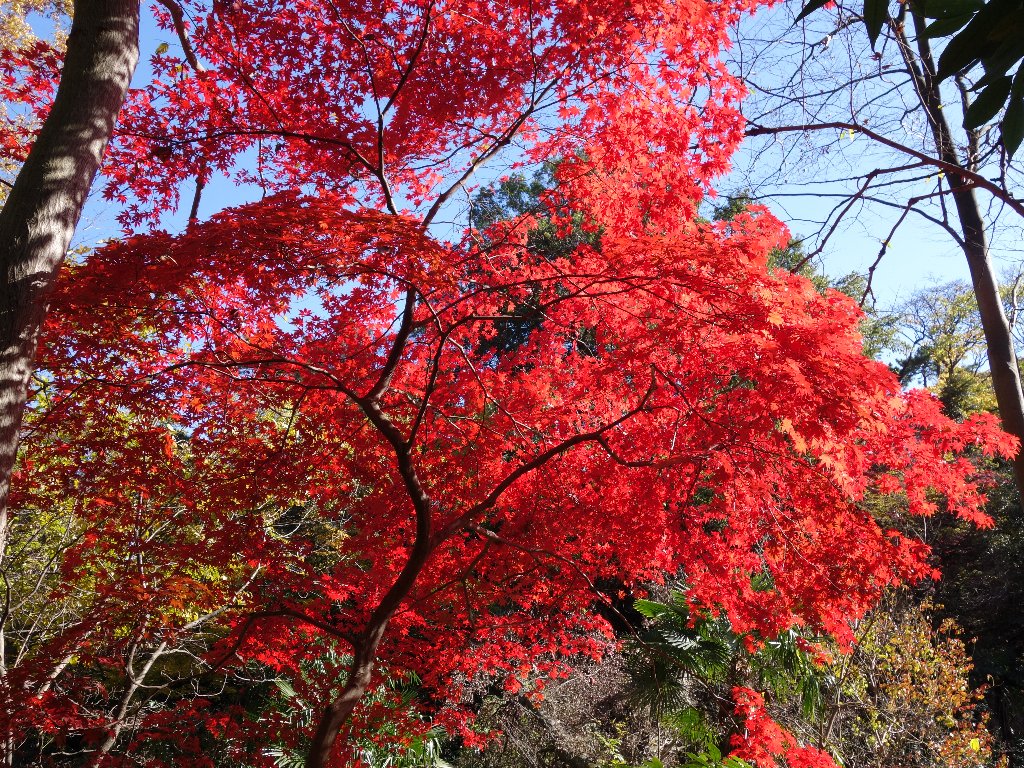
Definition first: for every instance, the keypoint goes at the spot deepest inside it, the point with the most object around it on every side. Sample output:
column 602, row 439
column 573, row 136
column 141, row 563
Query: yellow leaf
column 798, row 442
column 976, row 744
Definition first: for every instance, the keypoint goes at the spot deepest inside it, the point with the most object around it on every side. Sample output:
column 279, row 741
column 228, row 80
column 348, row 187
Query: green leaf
column 988, row 103
column 948, row 9
column 651, row 609
column 975, row 41
column 691, row 725
column 876, row 12
column 810, row 696
column 1011, row 26
column 286, row 688
column 810, row 8
column 1000, row 60
column 963, row 50
column 946, row 27
column 1012, row 127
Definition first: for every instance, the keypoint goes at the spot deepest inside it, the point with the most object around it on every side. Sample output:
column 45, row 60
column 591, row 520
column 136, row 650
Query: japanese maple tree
column 289, row 429
column 387, row 104
column 722, row 422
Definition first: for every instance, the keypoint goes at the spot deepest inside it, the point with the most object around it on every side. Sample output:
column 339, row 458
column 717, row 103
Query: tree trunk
column 360, row 671
column 338, row 711
column 46, row 201
column 1002, row 357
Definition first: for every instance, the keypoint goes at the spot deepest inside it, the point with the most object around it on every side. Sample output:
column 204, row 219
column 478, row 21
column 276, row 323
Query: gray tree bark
column 46, row 201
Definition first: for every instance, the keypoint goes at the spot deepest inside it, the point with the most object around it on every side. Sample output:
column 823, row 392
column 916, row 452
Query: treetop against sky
column 673, row 407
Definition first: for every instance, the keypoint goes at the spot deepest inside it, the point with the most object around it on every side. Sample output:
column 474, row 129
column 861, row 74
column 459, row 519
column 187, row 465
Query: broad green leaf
column 286, row 688
column 1012, row 127
column 988, row 103
column 975, row 41
column 876, row 12
column 946, row 27
column 948, row 9
column 811, row 7
column 998, row 63
column 650, row 608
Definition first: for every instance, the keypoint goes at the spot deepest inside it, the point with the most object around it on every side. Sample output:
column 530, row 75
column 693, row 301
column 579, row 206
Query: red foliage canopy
column 290, row 428
column 722, row 422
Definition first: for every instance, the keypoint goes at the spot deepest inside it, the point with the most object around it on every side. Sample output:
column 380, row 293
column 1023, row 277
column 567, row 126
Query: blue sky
column 917, row 255
column 824, row 70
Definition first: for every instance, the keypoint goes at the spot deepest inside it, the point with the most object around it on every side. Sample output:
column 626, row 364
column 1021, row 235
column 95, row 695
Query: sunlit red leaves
column 28, row 78
column 720, row 422
column 763, row 742
column 724, row 424
column 399, row 99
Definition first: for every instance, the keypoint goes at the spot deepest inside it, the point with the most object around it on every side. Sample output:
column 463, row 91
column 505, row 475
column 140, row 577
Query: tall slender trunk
column 46, row 201
column 360, row 671
column 1002, row 357
column 133, row 682
column 334, row 716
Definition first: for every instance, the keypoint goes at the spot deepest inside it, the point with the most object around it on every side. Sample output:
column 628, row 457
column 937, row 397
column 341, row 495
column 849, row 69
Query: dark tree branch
column 953, row 168
column 178, row 19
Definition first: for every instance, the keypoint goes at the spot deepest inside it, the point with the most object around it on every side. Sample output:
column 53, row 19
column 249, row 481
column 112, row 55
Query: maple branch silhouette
column 540, row 460
column 184, row 139
column 501, row 141
column 397, row 348
column 365, row 649
column 493, row 536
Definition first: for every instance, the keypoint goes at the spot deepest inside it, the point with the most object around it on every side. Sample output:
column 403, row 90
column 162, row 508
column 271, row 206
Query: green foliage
column 940, row 345
column 708, row 756
column 692, row 726
column 783, row 667
column 676, row 645
column 982, row 588
column 518, row 196
column 510, row 199
column 904, row 698
column 712, row 758
column 680, row 646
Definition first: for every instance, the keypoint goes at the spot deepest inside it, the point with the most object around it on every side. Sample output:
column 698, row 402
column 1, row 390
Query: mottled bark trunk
column 46, row 201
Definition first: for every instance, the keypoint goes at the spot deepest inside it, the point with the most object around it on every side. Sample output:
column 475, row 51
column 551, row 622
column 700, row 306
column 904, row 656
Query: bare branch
column 970, row 179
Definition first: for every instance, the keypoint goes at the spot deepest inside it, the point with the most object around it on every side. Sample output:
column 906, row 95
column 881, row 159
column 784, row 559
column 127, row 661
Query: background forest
column 448, row 391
